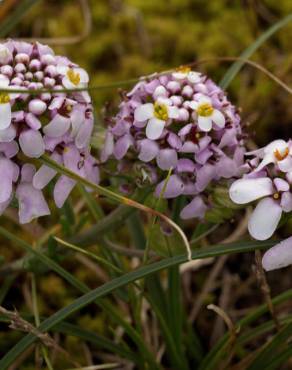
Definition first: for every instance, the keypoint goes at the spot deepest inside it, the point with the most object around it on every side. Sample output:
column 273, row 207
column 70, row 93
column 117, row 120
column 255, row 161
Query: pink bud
column 37, row 106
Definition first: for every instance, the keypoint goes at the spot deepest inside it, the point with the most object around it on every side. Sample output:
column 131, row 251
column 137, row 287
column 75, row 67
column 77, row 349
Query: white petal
column 154, row 128
column 58, row 126
column 204, row 100
column 84, row 78
column 194, row 77
column 274, row 145
column 8, row 134
column 244, row 191
column 5, row 115
column 268, row 158
column 264, row 219
column 205, row 123
column 173, row 112
column 179, row 75
column 218, row 118
column 279, row 256
column 286, row 164
column 144, row 112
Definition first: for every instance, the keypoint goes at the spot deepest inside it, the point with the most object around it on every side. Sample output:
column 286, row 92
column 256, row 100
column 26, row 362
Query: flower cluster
column 34, row 123
column 180, row 121
column 270, row 180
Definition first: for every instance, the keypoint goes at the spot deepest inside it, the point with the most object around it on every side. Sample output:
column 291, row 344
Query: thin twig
column 265, row 288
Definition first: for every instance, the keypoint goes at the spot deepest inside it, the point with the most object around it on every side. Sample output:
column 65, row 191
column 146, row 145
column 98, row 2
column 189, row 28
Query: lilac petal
column 108, row 147
column 122, row 127
column 62, row 189
column 281, row 185
column 278, row 256
column 8, row 134
column 189, row 147
column 154, row 128
column 286, row 201
column 58, row 126
column 32, row 203
column 228, row 138
column 9, row 149
column 122, row 146
column 174, row 187
column 27, row 172
column 264, row 219
column 204, row 175
column 174, row 141
column 32, row 143
column 226, row 167
column 195, row 209
column 7, row 174
column 32, row 121
column 72, row 159
column 82, row 139
column 45, row 174
column 92, row 170
column 190, row 188
column 185, row 130
column 77, row 119
column 148, row 150
column 167, row 159
column 203, row 156
column 185, row 165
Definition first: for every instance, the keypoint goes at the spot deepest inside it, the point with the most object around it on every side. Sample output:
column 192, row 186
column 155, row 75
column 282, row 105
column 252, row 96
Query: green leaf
column 235, row 68
column 112, row 285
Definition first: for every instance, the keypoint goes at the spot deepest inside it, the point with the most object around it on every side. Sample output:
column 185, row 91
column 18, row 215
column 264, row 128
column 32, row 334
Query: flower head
column 181, row 122
column 31, row 125
column 270, row 182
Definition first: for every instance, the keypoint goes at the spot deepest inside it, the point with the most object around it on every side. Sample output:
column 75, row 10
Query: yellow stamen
column 69, row 108
column 281, row 155
column 4, row 98
column 160, row 111
column 183, row 69
column 74, row 77
column 66, row 149
column 205, row 110
column 276, row 196
column 198, row 135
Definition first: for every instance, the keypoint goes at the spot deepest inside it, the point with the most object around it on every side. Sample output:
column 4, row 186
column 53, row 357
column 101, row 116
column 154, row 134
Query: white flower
column 207, row 114
column 73, row 77
column 278, row 152
column 276, row 198
column 5, row 106
column 155, row 117
column 186, row 73
column 278, row 256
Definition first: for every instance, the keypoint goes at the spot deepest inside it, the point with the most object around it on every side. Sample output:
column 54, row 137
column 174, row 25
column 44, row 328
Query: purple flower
column 181, row 122
column 59, row 124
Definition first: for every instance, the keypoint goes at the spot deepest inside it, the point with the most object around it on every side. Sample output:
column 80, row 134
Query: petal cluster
column 181, row 121
column 269, row 182
column 57, row 123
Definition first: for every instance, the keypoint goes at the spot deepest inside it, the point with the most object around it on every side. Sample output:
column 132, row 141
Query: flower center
column 183, row 69
column 205, row 110
column 4, row 98
column 74, row 77
column 276, row 196
column 160, row 111
column 281, row 155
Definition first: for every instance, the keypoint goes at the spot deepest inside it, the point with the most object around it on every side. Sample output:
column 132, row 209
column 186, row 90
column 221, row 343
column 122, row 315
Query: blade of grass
column 106, row 306
column 212, row 359
column 20, row 11
column 267, row 354
column 112, row 285
column 235, row 68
